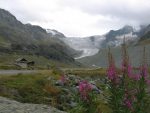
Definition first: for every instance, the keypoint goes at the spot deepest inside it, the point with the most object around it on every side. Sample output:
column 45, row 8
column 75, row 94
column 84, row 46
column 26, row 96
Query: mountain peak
column 6, row 18
column 4, row 14
column 128, row 28
column 124, row 30
column 55, row 33
column 32, row 39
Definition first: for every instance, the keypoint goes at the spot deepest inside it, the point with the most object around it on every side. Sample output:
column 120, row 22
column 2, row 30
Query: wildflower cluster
column 85, row 89
column 63, row 79
column 87, row 99
column 128, row 91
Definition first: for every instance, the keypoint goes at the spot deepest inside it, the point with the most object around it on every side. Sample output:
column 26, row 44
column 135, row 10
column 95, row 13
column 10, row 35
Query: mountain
column 135, row 42
column 91, row 45
column 19, row 38
column 144, row 35
column 55, row 33
column 101, row 58
column 115, row 37
column 143, row 30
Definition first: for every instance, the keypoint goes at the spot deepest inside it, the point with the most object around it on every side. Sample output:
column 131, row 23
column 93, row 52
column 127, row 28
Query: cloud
column 80, row 17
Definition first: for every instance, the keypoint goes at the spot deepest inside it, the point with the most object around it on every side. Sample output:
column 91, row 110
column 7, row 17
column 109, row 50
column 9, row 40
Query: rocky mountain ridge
column 26, row 38
column 16, row 37
column 92, row 44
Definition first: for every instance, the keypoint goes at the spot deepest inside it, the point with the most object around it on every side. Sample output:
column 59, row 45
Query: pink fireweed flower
column 128, row 103
column 63, row 79
column 111, row 72
column 129, row 71
column 84, row 89
column 144, row 71
column 126, row 68
column 136, row 77
column 148, row 81
column 125, row 64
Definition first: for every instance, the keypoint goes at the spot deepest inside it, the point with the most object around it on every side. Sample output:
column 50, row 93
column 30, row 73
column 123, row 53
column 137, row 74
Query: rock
column 73, row 104
column 92, row 82
column 11, row 106
column 8, row 91
column 59, row 83
column 50, row 78
column 95, row 88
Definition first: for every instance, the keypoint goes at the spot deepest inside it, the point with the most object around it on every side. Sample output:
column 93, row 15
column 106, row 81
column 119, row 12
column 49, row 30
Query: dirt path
column 15, row 72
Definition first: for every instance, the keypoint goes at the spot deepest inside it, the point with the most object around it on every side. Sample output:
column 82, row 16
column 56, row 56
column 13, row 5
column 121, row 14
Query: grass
column 24, row 88
column 9, row 67
column 36, row 88
column 7, row 61
column 84, row 72
column 28, row 88
column 3, row 42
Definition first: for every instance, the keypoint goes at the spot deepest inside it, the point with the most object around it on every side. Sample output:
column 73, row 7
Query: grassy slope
column 7, row 61
column 100, row 59
column 32, row 88
column 36, row 88
column 16, row 37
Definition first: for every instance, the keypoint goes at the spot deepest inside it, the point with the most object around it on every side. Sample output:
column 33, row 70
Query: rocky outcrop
column 19, row 38
column 11, row 106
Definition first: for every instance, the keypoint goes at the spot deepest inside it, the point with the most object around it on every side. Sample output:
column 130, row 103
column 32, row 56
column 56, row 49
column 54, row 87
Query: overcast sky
column 80, row 17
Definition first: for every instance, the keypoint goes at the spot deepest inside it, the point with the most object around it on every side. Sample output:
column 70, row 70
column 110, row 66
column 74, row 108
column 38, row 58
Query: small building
column 24, row 63
column 30, row 64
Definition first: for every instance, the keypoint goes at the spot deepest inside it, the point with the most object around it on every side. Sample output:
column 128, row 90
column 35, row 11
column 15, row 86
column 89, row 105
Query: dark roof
column 21, row 59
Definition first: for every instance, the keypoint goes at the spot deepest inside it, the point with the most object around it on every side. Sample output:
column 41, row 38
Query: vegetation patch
column 46, row 87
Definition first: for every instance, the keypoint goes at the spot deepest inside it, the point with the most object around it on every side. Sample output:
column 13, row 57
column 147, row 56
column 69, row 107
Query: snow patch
column 51, row 31
column 119, row 39
column 88, row 52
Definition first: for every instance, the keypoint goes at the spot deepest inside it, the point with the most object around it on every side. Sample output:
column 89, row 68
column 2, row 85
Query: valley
column 54, row 48
column 44, row 71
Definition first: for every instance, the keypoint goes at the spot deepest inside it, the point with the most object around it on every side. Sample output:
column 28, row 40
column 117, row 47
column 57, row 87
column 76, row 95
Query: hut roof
column 21, row 59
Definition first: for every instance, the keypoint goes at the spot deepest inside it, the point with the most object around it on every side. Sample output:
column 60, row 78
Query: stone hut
column 24, row 63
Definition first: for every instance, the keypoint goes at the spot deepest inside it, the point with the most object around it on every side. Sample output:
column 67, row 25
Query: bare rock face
column 11, row 106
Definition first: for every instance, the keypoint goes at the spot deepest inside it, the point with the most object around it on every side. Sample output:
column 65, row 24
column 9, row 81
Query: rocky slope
column 11, row 106
column 16, row 37
column 19, row 38
column 136, row 40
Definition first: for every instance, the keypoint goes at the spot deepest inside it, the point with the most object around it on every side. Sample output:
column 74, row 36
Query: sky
column 80, row 18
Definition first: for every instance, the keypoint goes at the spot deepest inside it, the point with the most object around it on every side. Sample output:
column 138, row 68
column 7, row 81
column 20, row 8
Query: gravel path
column 11, row 106
column 15, row 72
